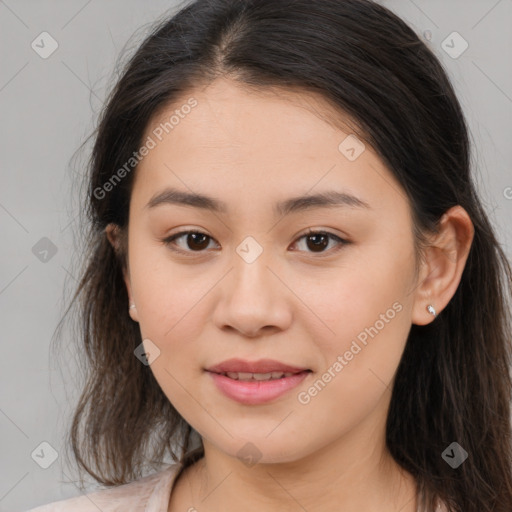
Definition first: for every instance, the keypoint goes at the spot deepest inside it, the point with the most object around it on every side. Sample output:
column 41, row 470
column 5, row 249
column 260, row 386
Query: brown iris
column 320, row 241
column 197, row 241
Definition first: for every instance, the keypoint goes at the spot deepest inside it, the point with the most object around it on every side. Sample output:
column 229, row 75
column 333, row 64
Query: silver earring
column 132, row 306
column 431, row 310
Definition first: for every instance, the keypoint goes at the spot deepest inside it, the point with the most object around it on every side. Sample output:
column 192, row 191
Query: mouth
column 259, row 377
column 258, row 382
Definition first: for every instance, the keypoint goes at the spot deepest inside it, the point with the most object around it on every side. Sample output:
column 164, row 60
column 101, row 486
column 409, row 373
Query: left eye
column 197, row 241
column 319, row 240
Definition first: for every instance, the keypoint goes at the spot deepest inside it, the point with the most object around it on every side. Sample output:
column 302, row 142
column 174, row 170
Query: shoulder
column 148, row 494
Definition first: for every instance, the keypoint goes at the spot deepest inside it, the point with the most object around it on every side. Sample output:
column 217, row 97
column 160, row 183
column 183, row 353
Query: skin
column 294, row 304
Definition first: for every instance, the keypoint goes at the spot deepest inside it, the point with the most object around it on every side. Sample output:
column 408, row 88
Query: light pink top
column 149, row 494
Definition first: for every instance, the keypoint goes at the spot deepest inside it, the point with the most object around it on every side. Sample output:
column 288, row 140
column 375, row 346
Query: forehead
column 228, row 112
column 253, row 141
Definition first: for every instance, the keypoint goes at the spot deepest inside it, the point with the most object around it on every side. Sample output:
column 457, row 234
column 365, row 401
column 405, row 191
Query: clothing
column 149, row 494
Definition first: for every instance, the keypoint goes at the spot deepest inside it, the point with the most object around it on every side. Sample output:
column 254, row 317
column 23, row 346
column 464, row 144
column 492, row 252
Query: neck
column 342, row 476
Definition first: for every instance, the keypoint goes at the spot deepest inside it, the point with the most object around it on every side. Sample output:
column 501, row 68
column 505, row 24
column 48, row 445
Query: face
column 250, row 282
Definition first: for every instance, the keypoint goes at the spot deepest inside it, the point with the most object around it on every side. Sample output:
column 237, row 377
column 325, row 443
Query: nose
column 253, row 299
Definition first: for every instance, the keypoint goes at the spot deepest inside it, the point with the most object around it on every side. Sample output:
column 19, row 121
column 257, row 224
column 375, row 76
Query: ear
column 443, row 263
column 114, row 236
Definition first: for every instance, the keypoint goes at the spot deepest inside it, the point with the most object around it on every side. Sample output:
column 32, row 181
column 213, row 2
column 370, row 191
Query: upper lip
column 260, row 366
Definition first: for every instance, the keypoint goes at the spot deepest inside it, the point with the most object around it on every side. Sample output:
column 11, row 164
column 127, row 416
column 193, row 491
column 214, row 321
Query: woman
column 290, row 268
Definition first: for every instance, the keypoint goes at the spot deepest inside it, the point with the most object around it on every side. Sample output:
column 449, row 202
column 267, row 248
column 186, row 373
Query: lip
column 256, row 392
column 260, row 366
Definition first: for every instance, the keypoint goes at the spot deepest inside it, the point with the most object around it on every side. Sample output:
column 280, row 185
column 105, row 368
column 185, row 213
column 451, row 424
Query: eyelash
column 169, row 241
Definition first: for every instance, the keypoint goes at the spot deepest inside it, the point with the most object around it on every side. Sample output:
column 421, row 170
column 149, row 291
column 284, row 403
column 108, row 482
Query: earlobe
column 113, row 235
column 132, row 310
column 432, row 310
column 443, row 265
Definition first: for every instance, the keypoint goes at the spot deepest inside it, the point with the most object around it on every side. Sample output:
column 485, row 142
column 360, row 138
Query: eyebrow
column 327, row 199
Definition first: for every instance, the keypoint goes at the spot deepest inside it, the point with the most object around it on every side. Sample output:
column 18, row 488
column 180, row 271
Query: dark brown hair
column 453, row 381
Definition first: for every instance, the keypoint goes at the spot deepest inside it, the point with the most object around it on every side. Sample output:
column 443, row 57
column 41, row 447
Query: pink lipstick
column 257, row 382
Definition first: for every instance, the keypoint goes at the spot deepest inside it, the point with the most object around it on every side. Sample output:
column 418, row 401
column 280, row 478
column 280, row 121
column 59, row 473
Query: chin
column 258, row 449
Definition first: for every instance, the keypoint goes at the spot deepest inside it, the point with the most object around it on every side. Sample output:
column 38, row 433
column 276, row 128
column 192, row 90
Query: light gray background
column 48, row 107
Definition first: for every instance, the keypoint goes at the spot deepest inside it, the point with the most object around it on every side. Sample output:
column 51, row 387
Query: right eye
column 195, row 240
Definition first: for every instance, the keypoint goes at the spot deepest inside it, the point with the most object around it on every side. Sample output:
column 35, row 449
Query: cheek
column 346, row 300
column 370, row 324
column 363, row 314
column 171, row 314
column 166, row 293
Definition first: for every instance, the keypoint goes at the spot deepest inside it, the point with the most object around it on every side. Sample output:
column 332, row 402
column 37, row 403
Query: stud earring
column 431, row 310
column 132, row 306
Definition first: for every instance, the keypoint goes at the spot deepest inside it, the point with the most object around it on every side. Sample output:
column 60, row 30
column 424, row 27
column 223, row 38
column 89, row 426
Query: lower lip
column 256, row 392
